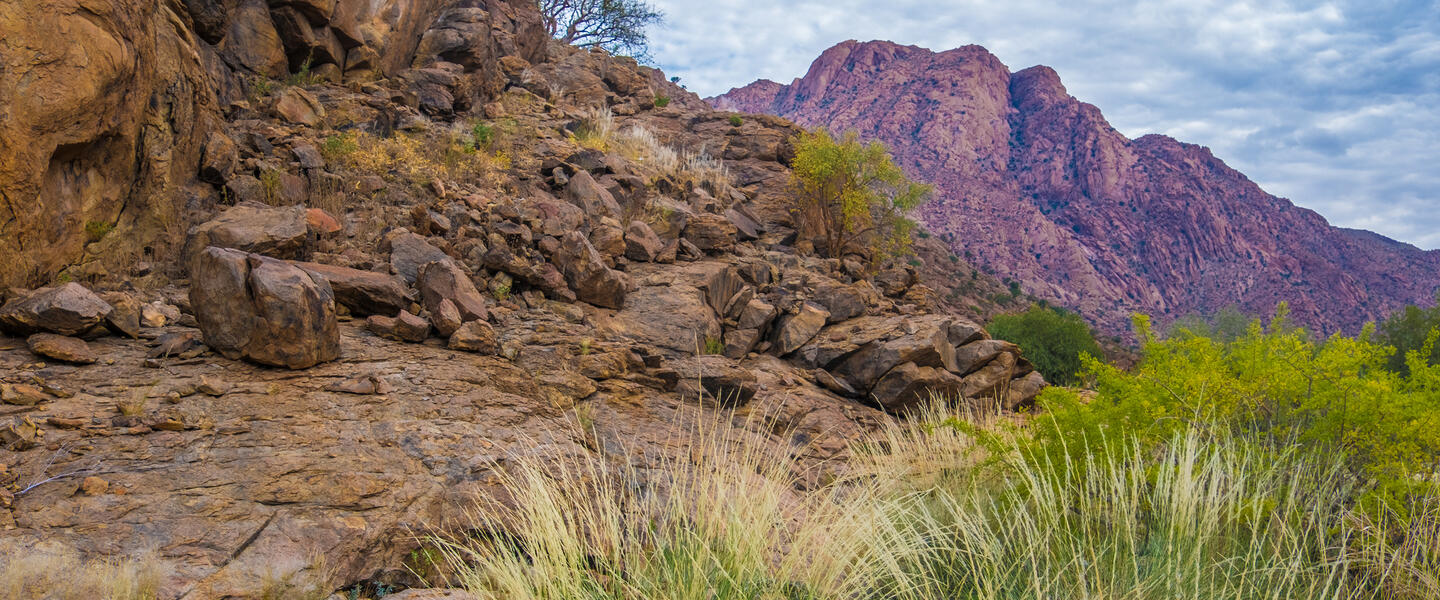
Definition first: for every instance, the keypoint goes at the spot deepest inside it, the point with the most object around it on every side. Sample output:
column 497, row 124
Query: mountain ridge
column 1047, row 192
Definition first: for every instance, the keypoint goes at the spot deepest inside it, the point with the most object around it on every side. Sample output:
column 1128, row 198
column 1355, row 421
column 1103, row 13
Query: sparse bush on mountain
column 618, row 26
column 848, row 192
column 1051, row 338
column 1407, row 331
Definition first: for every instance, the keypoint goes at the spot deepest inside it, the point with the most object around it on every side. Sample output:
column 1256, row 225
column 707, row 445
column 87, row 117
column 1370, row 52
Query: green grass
column 924, row 511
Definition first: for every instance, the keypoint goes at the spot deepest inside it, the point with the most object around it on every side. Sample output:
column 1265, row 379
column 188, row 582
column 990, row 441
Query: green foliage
column 1274, row 385
column 1052, row 339
column 339, row 146
column 482, row 134
column 662, row 101
column 303, row 77
column 850, row 192
column 736, row 121
column 260, row 87
column 713, row 345
column 1407, row 330
column 270, row 181
column 97, row 230
column 1227, row 325
column 618, row 26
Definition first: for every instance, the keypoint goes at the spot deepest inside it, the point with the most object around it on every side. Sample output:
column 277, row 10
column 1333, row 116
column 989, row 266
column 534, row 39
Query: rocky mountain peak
column 1041, row 189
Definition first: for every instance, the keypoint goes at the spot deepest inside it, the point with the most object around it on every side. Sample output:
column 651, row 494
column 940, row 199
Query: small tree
column 615, row 25
column 1407, row 330
column 1052, row 339
column 849, row 192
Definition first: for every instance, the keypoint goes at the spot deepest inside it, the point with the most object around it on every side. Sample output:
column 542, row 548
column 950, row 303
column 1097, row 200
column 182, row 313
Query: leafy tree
column 617, row 26
column 849, row 192
column 1227, row 325
column 1052, row 339
column 1407, row 331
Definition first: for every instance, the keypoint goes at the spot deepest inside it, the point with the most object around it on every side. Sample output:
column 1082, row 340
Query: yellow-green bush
column 849, row 192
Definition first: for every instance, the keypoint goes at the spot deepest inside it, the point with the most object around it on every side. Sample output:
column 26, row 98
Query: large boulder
column 280, row 232
column 586, row 273
column 584, row 192
column 923, row 340
column 641, row 243
column 910, row 386
column 263, row 310
column 710, row 233
column 444, row 280
column 363, row 292
column 69, row 309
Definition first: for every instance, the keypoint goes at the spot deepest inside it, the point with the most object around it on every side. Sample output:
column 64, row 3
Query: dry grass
column 33, row 574
column 420, row 158
column 657, row 160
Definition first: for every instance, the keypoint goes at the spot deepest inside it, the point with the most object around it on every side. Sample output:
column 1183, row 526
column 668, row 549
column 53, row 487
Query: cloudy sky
column 1333, row 105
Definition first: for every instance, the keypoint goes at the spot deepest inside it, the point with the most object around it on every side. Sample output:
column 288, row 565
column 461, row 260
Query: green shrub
column 1274, row 384
column 339, row 146
column 736, row 121
column 662, row 101
column 1407, row 330
column 483, row 135
column 97, row 230
column 848, row 192
column 1052, row 339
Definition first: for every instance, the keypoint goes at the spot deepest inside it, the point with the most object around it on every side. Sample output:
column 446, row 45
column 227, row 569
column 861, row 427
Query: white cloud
column 1335, row 105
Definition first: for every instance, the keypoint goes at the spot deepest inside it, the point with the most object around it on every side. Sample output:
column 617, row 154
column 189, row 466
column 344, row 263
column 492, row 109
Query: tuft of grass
column 662, row 101
column 736, row 121
column 659, row 160
column 97, row 230
column 63, row 575
column 714, row 345
column 946, row 505
column 260, row 87
column 597, row 127
column 303, row 77
column 134, row 406
column 270, row 180
column 339, row 146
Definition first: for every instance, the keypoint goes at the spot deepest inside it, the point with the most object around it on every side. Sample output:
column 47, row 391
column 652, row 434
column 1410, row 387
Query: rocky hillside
column 1038, row 187
column 292, row 281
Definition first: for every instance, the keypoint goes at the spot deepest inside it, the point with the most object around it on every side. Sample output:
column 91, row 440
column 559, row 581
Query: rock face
column 263, row 310
column 1037, row 185
column 120, row 105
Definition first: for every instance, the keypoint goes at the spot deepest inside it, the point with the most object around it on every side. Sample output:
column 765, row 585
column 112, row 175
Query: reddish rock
column 321, row 223
column 1038, row 186
column 363, row 292
column 62, row 348
column 443, row 280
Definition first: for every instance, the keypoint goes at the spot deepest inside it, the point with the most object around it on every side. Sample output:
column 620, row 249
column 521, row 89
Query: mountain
column 1037, row 186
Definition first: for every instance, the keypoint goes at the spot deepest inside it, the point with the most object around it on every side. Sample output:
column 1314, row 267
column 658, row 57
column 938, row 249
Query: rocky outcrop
column 1039, row 187
column 263, row 310
column 69, row 309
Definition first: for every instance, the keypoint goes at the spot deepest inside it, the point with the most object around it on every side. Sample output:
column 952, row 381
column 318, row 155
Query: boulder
column 263, row 310
column 411, row 328
column 609, row 240
column 126, row 318
column 219, row 160
column 446, row 318
column 22, row 394
column 908, row 387
column 475, row 336
column 844, row 302
column 444, row 280
column 363, row 292
column 159, row 314
column 641, row 243
column 279, row 232
column 592, row 198
column 585, row 271
column 710, row 233
column 923, row 340
column 746, row 227
column 1023, row 390
column 321, row 223
column 971, row 357
column 895, row 281
column 409, row 252
column 756, row 314
column 988, row 385
column 69, row 309
column 739, row 342
column 62, row 348
column 798, row 329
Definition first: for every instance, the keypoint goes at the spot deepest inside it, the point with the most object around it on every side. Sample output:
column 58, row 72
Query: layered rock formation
column 1039, row 188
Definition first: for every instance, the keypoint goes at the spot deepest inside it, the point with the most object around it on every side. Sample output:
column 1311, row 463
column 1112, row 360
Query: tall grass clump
column 659, row 160
column 725, row 520
column 63, row 575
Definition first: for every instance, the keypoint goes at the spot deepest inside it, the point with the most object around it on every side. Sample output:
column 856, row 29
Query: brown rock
column 213, row 385
column 64, row 348
column 20, row 394
column 923, row 340
column 908, row 387
column 125, row 319
column 271, row 231
column 1023, row 390
column 710, row 233
column 475, row 336
column 364, row 385
column 411, row 328
column 446, row 318
column 746, row 227
column 609, row 241
column 297, row 106
column 641, row 243
column 220, row 159
column 263, row 310
column 382, row 326
column 409, row 252
column 716, row 379
column 69, row 309
column 757, row 314
column 739, row 342
column 321, row 223
column 19, row 435
column 363, row 292
column 444, row 280
column 587, row 275
column 593, row 199
column 159, row 314
column 798, row 329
